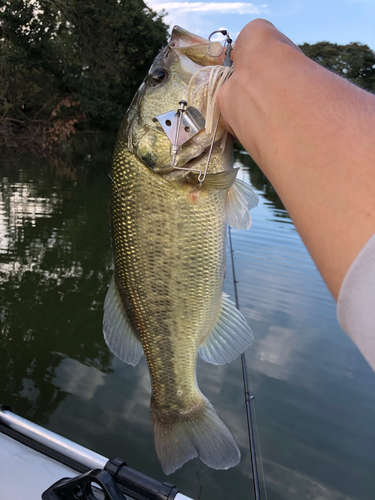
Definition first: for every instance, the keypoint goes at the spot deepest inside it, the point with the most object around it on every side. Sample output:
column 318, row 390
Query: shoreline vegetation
column 70, row 67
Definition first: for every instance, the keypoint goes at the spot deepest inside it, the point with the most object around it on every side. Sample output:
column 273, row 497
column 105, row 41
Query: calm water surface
column 314, row 393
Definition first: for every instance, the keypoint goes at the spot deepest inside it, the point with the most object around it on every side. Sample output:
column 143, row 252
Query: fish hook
column 227, row 46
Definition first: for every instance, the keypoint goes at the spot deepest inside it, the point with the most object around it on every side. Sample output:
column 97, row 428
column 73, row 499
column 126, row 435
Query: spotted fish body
column 165, row 298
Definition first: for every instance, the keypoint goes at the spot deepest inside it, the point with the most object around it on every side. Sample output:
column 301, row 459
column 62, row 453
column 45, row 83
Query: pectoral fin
column 230, row 336
column 118, row 332
column 240, row 199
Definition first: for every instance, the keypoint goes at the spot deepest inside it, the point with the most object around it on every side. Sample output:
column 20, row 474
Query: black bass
column 169, row 232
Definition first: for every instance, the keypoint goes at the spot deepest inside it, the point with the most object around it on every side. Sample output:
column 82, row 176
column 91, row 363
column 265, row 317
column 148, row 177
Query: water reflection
column 54, row 273
column 314, row 393
column 259, row 181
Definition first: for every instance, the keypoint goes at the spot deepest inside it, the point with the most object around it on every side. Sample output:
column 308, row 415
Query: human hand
column 253, row 51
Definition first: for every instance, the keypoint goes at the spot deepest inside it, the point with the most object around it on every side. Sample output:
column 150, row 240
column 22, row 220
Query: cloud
column 208, row 7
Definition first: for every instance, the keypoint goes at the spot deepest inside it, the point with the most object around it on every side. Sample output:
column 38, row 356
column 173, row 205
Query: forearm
column 313, row 135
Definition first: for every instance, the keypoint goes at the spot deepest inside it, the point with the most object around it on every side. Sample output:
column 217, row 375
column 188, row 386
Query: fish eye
column 159, row 75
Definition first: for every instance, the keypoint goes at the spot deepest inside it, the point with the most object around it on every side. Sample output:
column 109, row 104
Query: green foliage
column 354, row 61
column 76, row 62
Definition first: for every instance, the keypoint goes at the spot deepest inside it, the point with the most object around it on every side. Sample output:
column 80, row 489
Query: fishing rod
column 248, row 397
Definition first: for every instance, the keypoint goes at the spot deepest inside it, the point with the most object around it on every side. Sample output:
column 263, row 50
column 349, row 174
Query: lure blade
column 192, row 122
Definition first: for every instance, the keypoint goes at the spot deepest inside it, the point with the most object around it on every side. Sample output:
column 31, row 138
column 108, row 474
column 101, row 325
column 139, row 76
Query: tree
column 354, row 61
column 72, row 63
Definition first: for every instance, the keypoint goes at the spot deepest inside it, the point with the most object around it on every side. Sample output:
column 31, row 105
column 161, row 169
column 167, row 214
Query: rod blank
column 248, row 397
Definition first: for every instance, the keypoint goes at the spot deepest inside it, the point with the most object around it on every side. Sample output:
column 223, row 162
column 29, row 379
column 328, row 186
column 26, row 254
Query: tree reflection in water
column 55, row 259
column 259, row 181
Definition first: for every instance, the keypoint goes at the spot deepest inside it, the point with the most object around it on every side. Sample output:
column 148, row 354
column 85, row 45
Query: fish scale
column 168, row 232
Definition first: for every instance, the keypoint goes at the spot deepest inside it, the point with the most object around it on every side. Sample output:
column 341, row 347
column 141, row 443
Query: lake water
column 314, row 393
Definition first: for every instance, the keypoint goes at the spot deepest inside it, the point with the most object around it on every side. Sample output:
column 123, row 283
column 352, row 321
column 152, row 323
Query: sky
column 311, row 21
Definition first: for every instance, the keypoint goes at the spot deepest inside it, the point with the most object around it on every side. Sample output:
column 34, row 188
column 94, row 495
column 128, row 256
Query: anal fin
column 230, row 336
column 118, row 332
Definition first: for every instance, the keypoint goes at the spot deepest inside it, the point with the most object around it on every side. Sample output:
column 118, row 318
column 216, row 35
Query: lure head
column 165, row 86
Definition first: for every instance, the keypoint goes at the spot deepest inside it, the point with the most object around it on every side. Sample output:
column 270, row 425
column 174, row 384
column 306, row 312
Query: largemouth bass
column 165, row 298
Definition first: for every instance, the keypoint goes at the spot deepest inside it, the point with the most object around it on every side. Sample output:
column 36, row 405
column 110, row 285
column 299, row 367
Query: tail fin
column 205, row 436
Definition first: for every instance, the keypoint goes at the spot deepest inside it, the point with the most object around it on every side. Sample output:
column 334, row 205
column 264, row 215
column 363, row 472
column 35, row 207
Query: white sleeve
column 356, row 302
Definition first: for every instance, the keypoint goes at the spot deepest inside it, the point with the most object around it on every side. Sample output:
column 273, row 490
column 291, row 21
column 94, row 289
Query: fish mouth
column 190, row 165
column 196, row 159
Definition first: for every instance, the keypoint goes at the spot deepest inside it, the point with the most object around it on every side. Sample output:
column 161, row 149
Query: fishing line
column 248, row 397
